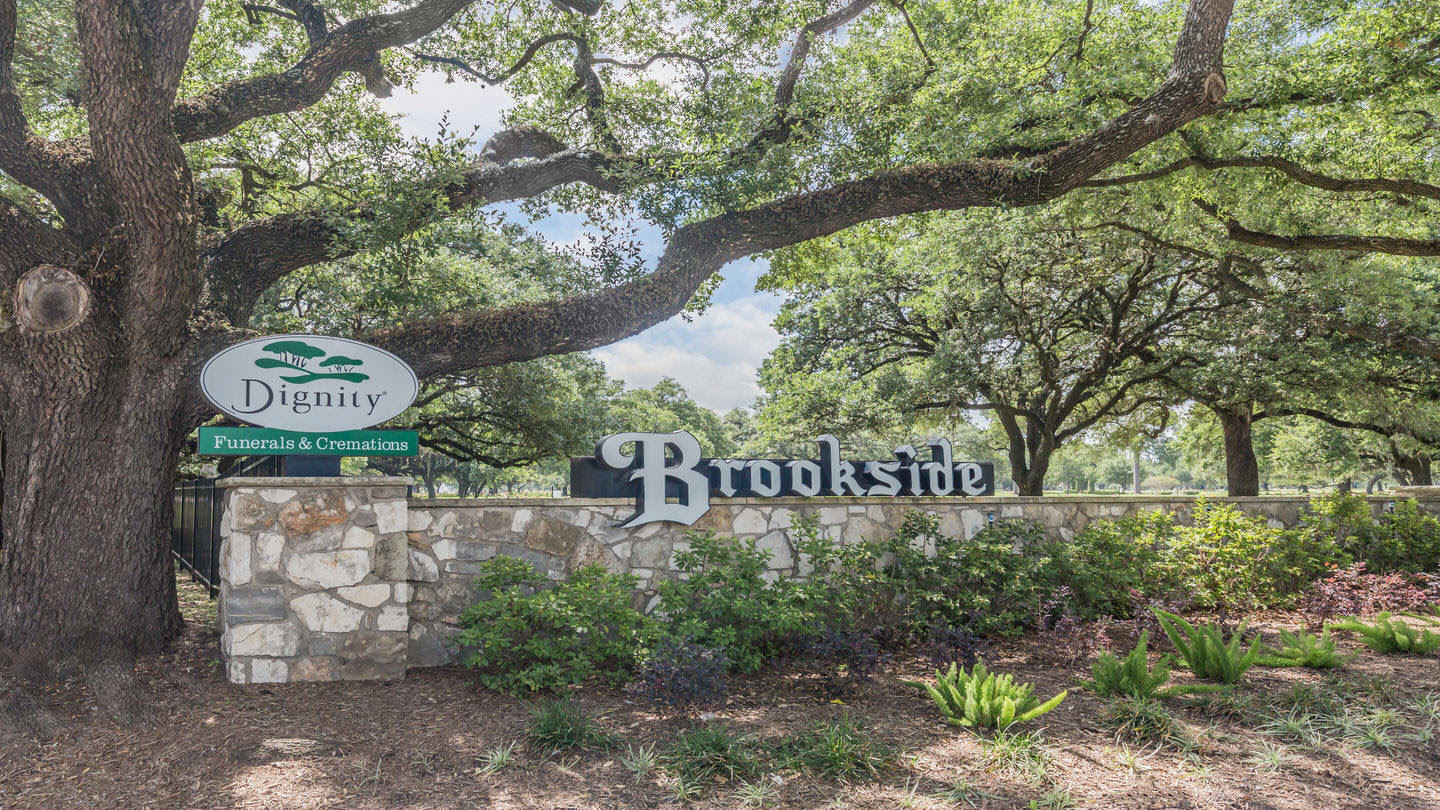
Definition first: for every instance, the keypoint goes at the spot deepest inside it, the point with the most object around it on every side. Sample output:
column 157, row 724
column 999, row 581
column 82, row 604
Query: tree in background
column 1049, row 330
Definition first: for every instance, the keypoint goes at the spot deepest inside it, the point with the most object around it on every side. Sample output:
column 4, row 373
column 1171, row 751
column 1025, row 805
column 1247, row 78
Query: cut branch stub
column 50, row 299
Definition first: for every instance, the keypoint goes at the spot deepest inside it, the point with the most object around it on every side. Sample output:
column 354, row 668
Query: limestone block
column 314, row 508
column 321, row 538
column 393, row 617
column 423, row 567
column 331, row 569
column 249, row 513
column 781, row 518
column 244, row 605
column 236, row 560
column 359, row 537
column 719, row 519
column 429, row 645
column 235, row 671
column 781, row 555
column 832, row 515
column 462, row 567
column 268, row 548
column 362, row 515
column 520, row 521
column 875, row 513
column 278, row 639
column 654, row 553
column 367, row 595
column 390, row 516
column 418, row 520
column 268, row 670
column 392, row 560
column 973, row 520
column 750, row 522
column 324, row 613
column 590, row 551
column 554, row 536
column 402, row 592
column 312, row 669
column 276, row 495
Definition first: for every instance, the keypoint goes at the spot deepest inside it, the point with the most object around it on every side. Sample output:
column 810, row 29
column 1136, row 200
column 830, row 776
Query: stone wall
column 343, row 578
column 314, row 579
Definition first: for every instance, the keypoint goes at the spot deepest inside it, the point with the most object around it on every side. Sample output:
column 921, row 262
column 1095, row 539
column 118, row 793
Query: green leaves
column 1133, row 676
column 977, row 698
column 1205, row 650
column 1391, row 635
column 1302, row 650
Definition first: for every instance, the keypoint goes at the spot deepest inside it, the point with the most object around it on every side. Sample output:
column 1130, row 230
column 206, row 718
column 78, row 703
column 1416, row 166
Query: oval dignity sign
column 308, row 383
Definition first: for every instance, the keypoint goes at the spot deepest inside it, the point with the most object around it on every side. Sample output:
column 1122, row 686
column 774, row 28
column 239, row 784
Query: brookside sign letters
column 670, row 481
column 308, row 383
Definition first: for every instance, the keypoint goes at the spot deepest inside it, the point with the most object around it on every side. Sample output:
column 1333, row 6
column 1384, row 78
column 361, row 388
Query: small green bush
column 1390, row 635
column 1133, row 676
column 1205, row 650
column 530, row 636
column 1110, row 561
column 726, row 603
column 1144, row 720
column 978, row 698
column 1302, row 650
column 1224, row 560
column 1340, row 529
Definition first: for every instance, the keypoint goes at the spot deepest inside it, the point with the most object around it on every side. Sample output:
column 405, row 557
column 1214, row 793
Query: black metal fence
column 195, row 524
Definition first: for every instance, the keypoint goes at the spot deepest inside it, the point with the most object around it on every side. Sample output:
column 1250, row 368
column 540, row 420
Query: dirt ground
column 420, row 743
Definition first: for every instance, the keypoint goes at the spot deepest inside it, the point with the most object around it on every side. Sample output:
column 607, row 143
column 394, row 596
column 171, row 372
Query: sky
column 715, row 355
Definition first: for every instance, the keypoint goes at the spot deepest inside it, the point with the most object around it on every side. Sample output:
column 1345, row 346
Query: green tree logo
column 296, row 354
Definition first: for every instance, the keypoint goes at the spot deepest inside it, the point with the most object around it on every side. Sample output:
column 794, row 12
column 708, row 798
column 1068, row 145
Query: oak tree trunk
column 91, row 444
column 1242, row 471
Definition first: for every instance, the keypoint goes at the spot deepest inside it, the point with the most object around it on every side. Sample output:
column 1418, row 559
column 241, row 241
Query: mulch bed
column 200, row 742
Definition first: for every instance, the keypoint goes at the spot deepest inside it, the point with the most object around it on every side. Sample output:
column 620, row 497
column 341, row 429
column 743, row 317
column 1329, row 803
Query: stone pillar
column 314, row 579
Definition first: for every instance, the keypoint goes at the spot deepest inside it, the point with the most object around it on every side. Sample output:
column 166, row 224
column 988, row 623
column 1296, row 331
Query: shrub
column 529, row 637
column 1389, row 635
column 1404, row 539
column 1064, row 636
column 682, row 675
column 556, row 725
column 1205, row 650
column 1109, row 563
column 1224, row 559
column 948, row 645
column 1353, row 592
column 726, row 603
column 978, row 698
column 1302, row 650
column 897, row 591
column 839, row 660
column 1134, row 677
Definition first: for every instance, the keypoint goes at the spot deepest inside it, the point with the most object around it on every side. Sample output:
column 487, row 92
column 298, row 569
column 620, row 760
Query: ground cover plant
column 1389, row 634
column 1205, row 650
column 1133, row 676
column 1302, row 649
column 974, row 697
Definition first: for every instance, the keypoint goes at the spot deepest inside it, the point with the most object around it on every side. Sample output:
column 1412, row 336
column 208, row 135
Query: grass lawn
column 1358, row 736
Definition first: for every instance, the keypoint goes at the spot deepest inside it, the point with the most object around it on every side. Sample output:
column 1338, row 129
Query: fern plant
column 978, row 698
column 1206, row 651
column 1389, row 635
column 1302, row 650
column 1133, row 676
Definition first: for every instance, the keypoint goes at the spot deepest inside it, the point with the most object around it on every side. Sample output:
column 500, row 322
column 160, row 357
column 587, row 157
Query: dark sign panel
column 670, row 481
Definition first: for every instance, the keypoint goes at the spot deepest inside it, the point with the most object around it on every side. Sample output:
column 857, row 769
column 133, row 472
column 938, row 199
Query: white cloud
column 715, row 356
column 469, row 104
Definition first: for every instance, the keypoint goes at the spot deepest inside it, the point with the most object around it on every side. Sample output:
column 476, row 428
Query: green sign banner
column 238, row 441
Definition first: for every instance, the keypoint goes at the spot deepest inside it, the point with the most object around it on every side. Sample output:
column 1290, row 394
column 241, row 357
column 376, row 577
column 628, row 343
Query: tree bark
column 1416, row 468
column 92, row 443
column 1242, row 471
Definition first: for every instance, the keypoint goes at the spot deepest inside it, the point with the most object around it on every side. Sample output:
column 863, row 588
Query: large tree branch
column 247, row 261
column 351, row 47
column 1291, row 169
column 1395, row 245
column 696, row 251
